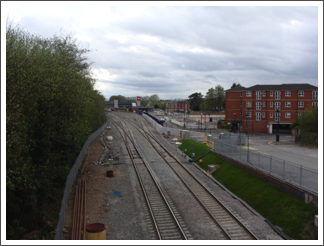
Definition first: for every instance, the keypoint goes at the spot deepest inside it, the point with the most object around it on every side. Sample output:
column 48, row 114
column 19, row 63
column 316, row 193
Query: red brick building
column 179, row 105
column 254, row 108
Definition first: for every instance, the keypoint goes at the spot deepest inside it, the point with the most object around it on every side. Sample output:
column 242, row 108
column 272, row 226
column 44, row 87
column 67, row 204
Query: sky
column 174, row 51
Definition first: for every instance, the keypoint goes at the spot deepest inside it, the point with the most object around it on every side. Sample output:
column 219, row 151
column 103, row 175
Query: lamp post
column 296, row 129
column 235, row 121
column 278, row 117
column 231, row 117
column 302, row 127
column 248, row 130
column 184, row 115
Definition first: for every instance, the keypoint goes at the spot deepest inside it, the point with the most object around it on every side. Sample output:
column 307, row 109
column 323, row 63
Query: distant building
column 263, row 101
column 179, row 105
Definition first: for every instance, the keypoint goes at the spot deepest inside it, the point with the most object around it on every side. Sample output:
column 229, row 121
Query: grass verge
column 295, row 217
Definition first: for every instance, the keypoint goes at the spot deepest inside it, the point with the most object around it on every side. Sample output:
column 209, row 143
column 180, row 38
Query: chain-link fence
column 70, row 180
column 296, row 174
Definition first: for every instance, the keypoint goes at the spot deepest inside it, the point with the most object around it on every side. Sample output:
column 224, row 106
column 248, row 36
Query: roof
column 282, row 87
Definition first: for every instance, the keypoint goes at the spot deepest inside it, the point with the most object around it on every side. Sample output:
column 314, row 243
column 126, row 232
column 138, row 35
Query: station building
column 258, row 108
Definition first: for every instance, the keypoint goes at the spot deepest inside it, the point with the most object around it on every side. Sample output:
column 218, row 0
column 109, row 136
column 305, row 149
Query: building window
column 314, row 104
column 271, row 104
column 263, row 114
column 258, row 105
column 271, row 115
column 258, row 95
column 277, row 116
column 241, row 113
column 300, row 93
column 248, row 93
column 264, row 104
column 264, row 94
column 287, row 115
column 241, row 104
column 248, row 114
column 288, row 93
column 314, row 95
column 277, row 105
column 300, row 104
column 258, row 116
column 277, row 97
column 288, row 104
column 271, row 93
column 248, row 104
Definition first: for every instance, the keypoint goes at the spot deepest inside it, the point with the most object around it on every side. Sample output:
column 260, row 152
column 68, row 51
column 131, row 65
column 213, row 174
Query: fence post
column 240, row 153
column 270, row 163
column 284, row 163
column 300, row 176
column 258, row 159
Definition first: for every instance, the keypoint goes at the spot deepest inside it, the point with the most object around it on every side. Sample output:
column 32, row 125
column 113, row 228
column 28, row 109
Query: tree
column 214, row 98
column 220, row 94
column 307, row 125
column 235, row 85
column 195, row 100
column 154, row 98
column 210, row 99
column 51, row 109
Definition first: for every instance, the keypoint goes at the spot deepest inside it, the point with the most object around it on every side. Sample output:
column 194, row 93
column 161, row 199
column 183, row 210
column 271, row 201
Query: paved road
column 286, row 149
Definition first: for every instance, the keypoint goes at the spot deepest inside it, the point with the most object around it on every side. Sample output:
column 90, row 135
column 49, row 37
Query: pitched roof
column 283, row 87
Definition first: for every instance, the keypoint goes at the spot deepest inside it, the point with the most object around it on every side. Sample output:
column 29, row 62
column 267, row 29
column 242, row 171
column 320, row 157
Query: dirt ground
column 96, row 182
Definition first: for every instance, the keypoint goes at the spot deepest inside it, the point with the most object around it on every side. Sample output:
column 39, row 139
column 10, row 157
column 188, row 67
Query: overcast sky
column 174, row 51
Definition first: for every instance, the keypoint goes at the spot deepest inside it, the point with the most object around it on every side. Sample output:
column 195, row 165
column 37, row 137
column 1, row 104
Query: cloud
column 175, row 51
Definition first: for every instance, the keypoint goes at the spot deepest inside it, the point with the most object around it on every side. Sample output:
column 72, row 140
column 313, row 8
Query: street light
column 184, row 116
column 296, row 129
column 231, row 117
column 278, row 117
column 248, row 157
column 235, row 121
column 302, row 127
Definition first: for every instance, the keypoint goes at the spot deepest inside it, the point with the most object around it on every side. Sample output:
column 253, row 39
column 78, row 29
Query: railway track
column 230, row 225
column 166, row 224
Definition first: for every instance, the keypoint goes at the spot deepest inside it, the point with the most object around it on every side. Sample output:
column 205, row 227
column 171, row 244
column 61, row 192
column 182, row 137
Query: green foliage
column 307, row 124
column 235, row 85
column 215, row 98
column 281, row 209
column 51, row 109
column 195, row 100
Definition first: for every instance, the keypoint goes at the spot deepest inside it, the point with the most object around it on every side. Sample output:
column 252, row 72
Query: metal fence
column 70, row 180
column 296, row 174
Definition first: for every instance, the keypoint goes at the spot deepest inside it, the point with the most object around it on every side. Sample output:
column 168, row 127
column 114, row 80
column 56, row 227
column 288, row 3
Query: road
column 286, row 149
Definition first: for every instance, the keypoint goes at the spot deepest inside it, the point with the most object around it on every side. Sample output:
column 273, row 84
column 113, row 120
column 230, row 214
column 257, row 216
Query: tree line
column 51, row 109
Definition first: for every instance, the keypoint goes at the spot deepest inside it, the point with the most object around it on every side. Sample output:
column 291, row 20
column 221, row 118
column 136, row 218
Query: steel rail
column 139, row 178
column 156, row 183
column 195, row 178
